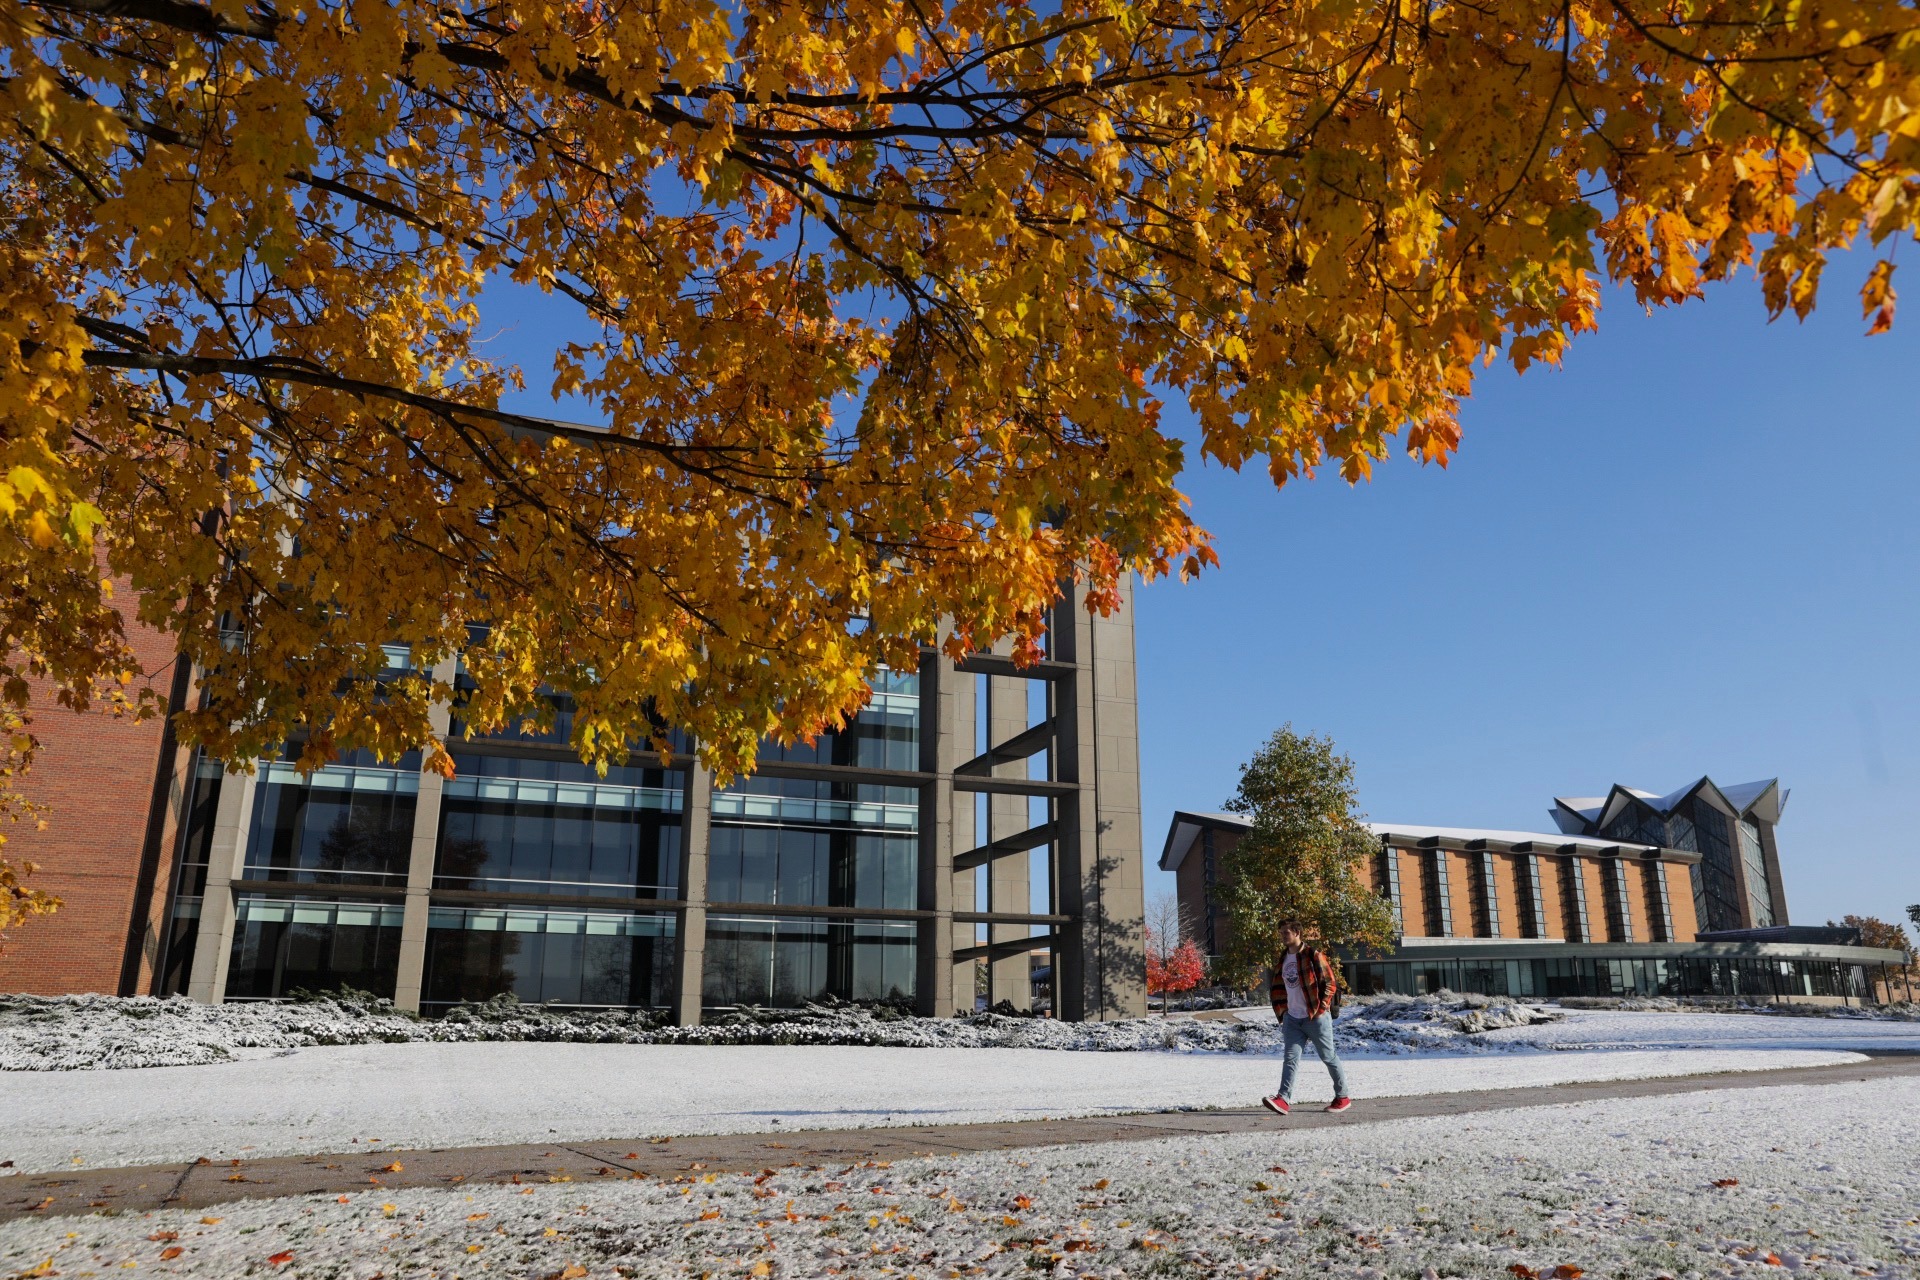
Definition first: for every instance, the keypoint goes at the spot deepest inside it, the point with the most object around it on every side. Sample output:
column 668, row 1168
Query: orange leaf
column 1524, row 1272
column 1877, row 298
column 170, row 1252
column 395, row 1167
column 1567, row 1271
column 280, row 1259
column 1726, row 1182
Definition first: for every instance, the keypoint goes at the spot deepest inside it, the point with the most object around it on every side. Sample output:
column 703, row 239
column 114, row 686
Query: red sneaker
column 1340, row 1104
column 1276, row 1104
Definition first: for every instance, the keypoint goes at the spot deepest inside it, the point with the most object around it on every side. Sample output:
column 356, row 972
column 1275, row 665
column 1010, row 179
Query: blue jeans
column 1298, row 1033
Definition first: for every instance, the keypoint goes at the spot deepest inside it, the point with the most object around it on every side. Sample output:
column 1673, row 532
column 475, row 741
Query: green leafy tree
column 1303, row 860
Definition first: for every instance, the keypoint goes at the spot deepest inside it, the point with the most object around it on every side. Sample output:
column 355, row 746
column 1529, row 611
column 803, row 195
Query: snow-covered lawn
column 1634, row 1029
column 464, row 1094
column 76, row 1033
column 1587, row 1029
column 1818, row 1181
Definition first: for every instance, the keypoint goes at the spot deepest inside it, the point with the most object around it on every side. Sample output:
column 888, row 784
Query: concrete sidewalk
column 200, row 1184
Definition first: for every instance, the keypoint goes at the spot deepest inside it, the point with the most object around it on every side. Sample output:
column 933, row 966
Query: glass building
column 971, row 816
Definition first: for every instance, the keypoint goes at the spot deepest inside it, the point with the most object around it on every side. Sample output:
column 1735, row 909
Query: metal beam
column 1015, row 786
column 1008, row 917
column 1001, row 950
column 1006, row 846
column 808, row 909
column 841, row 773
column 993, row 664
column 1028, row 742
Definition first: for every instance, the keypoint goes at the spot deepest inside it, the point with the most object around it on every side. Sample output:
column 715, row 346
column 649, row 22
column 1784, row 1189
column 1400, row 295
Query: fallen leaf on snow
column 171, row 1252
column 1726, row 1182
column 281, row 1259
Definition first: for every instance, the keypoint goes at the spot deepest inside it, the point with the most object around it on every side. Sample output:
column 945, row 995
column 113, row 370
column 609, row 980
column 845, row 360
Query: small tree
column 1169, row 972
column 1304, row 859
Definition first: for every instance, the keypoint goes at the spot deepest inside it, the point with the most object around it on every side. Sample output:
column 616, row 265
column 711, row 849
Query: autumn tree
column 19, row 901
column 1875, row 932
column 1171, row 970
column 874, row 308
column 1304, row 859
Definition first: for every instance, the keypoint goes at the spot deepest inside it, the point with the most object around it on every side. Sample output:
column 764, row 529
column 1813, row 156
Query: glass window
column 805, row 842
column 1753, row 859
column 589, row 959
column 555, row 826
column 784, row 962
column 884, row 735
column 190, row 878
column 183, row 933
column 1716, row 898
column 348, row 823
column 559, row 709
column 285, row 945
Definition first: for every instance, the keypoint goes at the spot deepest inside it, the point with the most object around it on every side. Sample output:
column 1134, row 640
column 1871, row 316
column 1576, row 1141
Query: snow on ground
column 1614, row 1029
column 1633, row 1029
column 417, row 1095
column 1816, row 1181
column 76, row 1033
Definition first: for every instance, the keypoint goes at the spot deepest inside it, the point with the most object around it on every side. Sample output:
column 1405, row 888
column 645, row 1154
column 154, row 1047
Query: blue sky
column 1692, row 549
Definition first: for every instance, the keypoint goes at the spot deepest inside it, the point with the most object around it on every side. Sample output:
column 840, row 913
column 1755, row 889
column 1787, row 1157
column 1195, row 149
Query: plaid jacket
column 1316, row 983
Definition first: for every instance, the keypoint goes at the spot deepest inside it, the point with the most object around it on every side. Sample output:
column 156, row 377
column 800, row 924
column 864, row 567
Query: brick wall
column 94, row 775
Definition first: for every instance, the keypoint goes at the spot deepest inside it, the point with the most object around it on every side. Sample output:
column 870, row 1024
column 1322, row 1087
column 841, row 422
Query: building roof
column 1587, row 815
column 1500, row 840
column 1187, row 826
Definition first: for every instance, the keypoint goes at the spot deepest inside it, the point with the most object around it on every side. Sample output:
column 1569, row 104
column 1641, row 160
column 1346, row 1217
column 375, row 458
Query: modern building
column 1636, row 894
column 972, row 813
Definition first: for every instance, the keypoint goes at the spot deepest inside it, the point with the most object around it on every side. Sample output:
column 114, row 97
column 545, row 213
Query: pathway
column 204, row 1183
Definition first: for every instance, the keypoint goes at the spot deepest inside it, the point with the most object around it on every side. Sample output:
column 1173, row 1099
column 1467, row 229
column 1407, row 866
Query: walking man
column 1302, row 993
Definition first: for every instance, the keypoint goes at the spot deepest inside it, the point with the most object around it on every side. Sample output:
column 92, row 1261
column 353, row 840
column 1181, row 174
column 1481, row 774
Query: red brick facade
column 107, row 851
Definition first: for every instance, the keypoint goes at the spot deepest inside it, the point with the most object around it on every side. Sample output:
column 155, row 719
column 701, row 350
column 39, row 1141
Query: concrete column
column 941, row 749
column 226, row 862
column 1007, row 883
column 411, row 970
column 1776, row 887
column 1119, row 866
column 1076, row 968
column 690, row 961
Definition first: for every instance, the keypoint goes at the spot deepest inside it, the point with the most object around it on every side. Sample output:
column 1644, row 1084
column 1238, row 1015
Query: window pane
column 552, row 826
